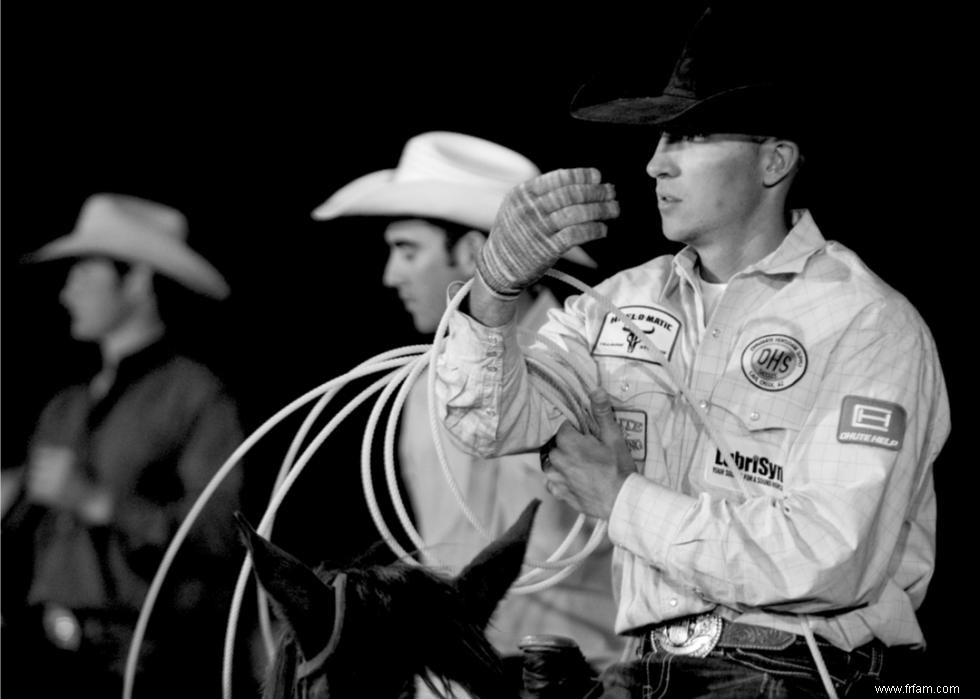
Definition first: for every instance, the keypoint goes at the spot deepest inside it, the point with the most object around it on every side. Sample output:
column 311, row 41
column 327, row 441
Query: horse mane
column 414, row 612
column 424, row 610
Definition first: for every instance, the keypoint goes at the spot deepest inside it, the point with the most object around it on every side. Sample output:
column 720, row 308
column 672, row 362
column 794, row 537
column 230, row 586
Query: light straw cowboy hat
column 137, row 231
column 442, row 175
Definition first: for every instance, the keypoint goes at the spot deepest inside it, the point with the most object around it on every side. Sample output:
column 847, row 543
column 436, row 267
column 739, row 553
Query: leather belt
column 699, row 634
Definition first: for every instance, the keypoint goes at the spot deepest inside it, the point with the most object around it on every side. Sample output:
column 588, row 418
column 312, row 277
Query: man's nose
column 392, row 276
column 662, row 163
column 68, row 289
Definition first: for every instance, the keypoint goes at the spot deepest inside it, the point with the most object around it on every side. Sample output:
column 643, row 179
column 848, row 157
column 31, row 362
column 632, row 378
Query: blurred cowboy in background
column 114, row 465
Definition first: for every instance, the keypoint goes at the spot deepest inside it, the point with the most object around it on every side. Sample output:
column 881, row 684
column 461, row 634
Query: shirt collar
column 145, row 359
column 682, row 268
column 130, row 370
column 802, row 241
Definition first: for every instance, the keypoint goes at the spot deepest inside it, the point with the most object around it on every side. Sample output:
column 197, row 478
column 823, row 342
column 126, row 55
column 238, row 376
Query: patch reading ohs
column 774, row 362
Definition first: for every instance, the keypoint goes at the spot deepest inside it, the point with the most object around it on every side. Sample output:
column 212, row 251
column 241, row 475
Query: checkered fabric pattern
column 826, row 387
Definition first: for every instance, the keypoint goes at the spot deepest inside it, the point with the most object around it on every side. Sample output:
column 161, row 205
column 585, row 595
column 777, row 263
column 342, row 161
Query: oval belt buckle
column 62, row 627
column 695, row 636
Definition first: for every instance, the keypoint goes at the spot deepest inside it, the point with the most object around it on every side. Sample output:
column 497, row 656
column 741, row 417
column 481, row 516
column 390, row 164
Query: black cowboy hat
column 728, row 79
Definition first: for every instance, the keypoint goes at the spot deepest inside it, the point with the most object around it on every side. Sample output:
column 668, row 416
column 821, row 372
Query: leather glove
column 538, row 221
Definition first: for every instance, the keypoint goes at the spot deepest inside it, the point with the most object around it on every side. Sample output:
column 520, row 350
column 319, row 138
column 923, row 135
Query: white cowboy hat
column 138, row 231
column 442, row 175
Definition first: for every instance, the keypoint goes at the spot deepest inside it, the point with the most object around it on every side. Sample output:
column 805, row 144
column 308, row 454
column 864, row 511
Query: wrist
column 489, row 308
column 96, row 506
column 617, row 487
column 495, row 285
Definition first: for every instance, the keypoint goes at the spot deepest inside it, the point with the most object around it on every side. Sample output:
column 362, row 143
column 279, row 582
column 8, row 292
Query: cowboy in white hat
column 115, row 463
column 442, row 197
column 439, row 203
column 117, row 233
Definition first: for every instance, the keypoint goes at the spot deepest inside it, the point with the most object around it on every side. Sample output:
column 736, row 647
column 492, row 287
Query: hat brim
column 166, row 256
column 379, row 194
column 762, row 110
column 637, row 111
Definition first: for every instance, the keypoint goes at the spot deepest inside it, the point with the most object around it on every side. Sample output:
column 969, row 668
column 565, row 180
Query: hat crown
column 140, row 231
column 121, row 212
column 442, row 156
column 724, row 51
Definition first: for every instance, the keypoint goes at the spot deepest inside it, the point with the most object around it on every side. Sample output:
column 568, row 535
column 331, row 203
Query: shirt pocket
column 758, row 431
column 643, row 400
column 772, row 419
column 623, row 378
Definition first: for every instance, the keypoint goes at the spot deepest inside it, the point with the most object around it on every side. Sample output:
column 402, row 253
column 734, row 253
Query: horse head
column 368, row 630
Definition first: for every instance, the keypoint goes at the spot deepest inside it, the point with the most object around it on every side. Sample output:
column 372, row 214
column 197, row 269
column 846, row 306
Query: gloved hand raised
column 538, row 221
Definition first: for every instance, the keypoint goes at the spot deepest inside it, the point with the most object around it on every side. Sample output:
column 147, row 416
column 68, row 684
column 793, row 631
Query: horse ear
column 485, row 581
column 298, row 594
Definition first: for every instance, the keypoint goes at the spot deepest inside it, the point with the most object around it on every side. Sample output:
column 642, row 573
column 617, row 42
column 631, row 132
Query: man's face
column 707, row 185
column 420, row 268
column 94, row 297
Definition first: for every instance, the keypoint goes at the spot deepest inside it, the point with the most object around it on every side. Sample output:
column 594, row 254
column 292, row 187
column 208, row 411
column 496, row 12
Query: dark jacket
column 154, row 440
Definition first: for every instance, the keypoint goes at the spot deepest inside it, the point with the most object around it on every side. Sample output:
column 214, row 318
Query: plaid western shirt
column 826, row 388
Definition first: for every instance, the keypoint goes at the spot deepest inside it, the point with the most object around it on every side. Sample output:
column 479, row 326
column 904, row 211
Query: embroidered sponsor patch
column 633, row 423
column 877, row 423
column 616, row 340
column 774, row 362
column 755, row 468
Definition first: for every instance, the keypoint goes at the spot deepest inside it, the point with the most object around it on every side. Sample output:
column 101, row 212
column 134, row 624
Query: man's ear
column 780, row 158
column 138, row 282
column 466, row 250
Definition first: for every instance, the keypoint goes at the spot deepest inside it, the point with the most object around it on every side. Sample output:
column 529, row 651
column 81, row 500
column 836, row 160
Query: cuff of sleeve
column 469, row 381
column 471, row 341
column 646, row 516
column 467, row 337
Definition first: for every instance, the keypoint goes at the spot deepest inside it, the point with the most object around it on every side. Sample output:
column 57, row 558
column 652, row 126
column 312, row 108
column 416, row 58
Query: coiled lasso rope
column 405, row 366
column 400, row 363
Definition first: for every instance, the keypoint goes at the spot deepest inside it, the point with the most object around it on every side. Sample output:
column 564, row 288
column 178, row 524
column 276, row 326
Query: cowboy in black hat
column 767, row 411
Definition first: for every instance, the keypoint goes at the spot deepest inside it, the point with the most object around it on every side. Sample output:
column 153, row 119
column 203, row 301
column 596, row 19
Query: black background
column 247, row 119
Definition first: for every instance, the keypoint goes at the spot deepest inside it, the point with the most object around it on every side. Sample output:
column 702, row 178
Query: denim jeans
column 740, row 672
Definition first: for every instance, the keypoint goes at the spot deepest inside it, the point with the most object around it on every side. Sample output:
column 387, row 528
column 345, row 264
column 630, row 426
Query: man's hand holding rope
column 587, row 471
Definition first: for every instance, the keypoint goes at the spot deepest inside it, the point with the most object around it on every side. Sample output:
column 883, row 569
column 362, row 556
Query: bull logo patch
column 774, row 362
column 616, row 340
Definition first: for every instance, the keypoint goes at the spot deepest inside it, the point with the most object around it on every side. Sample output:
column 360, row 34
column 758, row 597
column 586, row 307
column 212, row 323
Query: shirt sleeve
column 855, row 496
column 497, row 397
column 213, row 434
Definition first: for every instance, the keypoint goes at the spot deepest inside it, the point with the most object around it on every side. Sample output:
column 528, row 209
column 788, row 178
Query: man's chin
column 426, row 326
column 82, row 334
column 676, row 234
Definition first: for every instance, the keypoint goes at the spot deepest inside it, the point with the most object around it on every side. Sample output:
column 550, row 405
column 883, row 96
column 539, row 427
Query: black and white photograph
column 484, row 352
